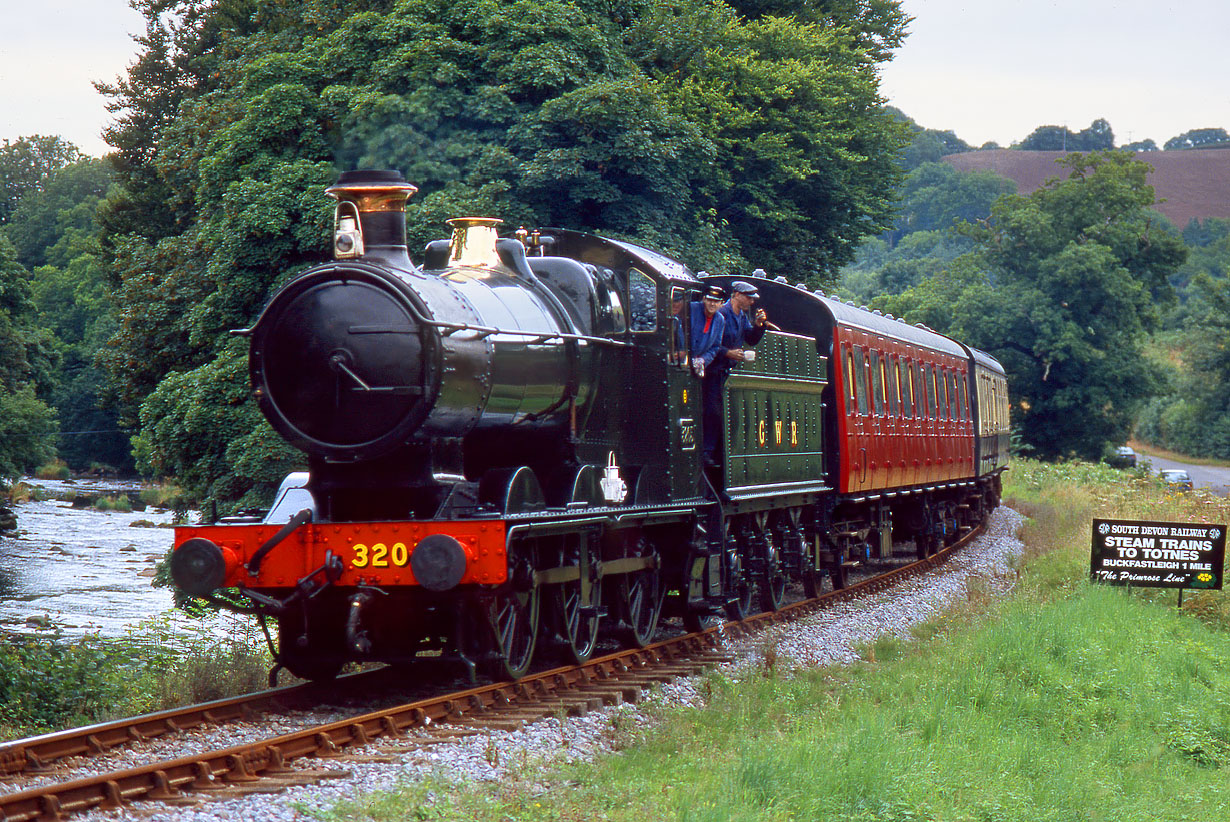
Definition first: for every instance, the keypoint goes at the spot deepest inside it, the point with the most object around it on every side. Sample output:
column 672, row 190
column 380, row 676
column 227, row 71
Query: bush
column 54, row 470
column 120, row 503
column 49, row 684
column 163, row 495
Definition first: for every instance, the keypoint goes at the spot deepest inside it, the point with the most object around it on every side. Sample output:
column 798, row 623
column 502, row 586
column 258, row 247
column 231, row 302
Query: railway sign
column 1158, row 554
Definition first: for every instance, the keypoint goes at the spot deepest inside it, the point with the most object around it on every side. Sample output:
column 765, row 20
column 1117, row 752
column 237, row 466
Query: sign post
column 1158, row 554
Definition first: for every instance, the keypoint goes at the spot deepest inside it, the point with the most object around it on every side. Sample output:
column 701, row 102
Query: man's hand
column 761, row 317
column 735, row 354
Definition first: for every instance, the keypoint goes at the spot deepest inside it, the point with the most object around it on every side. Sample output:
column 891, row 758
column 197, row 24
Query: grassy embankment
column 1067, row 701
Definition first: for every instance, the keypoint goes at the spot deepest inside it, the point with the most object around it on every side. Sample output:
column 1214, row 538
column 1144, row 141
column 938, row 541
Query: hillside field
column 1190, row 184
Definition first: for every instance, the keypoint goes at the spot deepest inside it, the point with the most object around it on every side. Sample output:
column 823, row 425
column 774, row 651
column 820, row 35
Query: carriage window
column 642, row 300
column 849, row 381
column 907, row 389
column 955, row 395
column 941, row 391
column 891, row 386
column 877, row 382
column 916, row 391
column 929, row 391
column 920, row 396
column 860, row 359
column 941, row 409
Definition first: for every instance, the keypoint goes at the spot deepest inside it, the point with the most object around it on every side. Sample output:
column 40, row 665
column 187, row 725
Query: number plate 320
column 380, row 555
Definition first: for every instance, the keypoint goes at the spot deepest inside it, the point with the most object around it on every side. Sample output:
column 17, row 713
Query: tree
column 26, row 363
column 1063, row 287
column 1201, row 233
column 65, row 202
column 1194, row 418
column 927, row 145
column 727, row 136
column 1098, row 137
column 27, row 164
column 1146, row 144
column 1199, row 138
column 935, row 196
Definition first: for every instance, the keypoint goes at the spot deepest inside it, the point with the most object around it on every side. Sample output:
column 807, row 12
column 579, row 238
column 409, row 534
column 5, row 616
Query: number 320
column 380, row 555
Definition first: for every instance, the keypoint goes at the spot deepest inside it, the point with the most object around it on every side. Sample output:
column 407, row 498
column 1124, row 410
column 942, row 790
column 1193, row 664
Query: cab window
column 642, row 301
column 680, row 319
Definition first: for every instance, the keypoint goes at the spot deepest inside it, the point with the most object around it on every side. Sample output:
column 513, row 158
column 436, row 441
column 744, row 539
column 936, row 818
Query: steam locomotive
column 503, row 448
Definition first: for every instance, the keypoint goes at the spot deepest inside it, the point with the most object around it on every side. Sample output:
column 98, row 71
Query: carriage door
column 877, row 456
column 860, row 457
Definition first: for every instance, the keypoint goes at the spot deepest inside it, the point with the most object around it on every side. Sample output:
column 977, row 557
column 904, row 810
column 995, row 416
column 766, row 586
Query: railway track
column 36, row 766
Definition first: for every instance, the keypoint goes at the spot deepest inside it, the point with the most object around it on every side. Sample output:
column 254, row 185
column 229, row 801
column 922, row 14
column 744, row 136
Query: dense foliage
column 1098, row 137
column 1063, row 287
column 732, row 134
column 57, row 280
column 1194, row 417
column 1199, row 138
column 933, row 199
column 27, row 359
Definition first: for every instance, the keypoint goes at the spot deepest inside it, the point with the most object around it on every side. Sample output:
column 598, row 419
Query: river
column 81, row 571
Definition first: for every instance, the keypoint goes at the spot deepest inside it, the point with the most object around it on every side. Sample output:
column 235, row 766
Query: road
column 1212, row 477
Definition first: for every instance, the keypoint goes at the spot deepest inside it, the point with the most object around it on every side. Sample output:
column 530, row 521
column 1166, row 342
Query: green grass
column 1069, row 701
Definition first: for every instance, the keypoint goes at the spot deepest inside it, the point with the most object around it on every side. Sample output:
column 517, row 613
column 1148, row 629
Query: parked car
column 1124, row 457
column 1176, row 478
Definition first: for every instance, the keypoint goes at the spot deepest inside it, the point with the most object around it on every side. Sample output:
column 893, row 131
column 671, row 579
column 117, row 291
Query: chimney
column 370, row 217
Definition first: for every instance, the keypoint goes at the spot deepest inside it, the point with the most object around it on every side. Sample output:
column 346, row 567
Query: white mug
column 748, row 356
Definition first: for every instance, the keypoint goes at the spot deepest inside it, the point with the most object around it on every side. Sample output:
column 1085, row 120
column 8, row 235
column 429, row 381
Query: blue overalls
column 705, row 347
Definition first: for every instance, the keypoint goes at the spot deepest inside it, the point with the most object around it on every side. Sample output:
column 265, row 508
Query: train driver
column 742, row 328
column 707, row 329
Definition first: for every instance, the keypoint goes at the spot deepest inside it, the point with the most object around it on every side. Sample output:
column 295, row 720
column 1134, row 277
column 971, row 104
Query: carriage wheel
column 574, row 603
column 512, row 617
column 639, row 596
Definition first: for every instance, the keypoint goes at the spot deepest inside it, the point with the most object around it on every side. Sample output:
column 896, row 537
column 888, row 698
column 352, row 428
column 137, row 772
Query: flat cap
column 740, row 287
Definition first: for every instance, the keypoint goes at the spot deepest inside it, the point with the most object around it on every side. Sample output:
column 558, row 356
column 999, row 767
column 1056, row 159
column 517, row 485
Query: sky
column 990, row 71
column 998, row 69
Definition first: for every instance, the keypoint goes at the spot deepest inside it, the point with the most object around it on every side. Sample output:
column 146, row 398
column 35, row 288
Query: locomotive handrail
column 539, row 336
